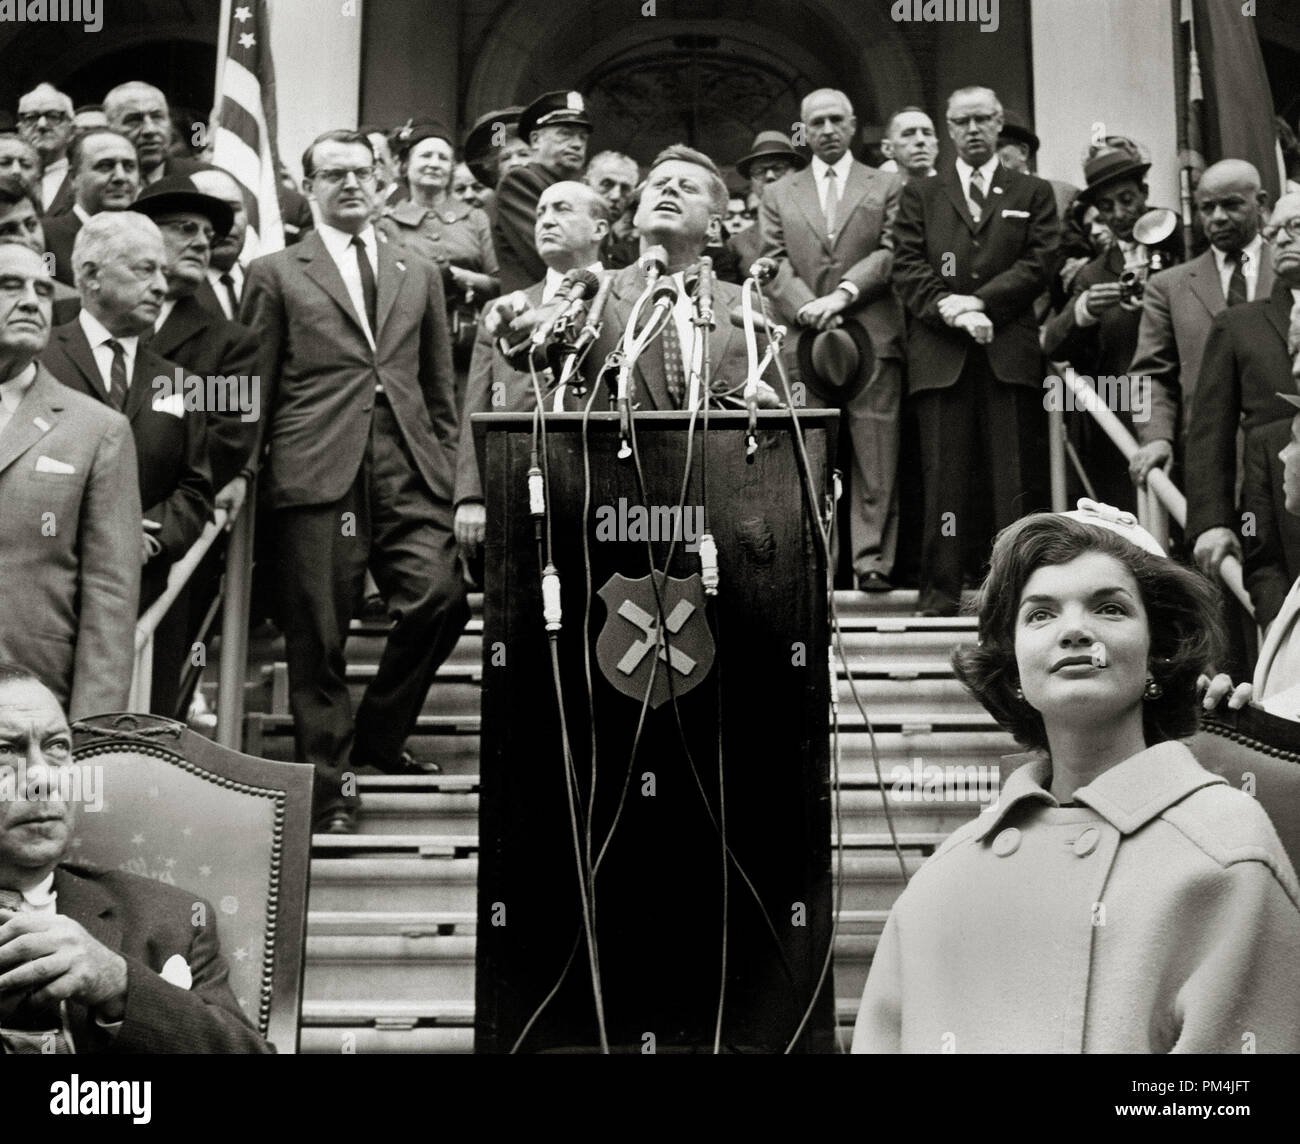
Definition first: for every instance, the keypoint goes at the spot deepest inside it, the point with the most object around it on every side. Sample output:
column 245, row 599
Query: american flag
column 244, row 143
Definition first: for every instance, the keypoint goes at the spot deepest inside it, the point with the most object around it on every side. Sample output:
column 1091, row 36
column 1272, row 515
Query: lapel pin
column 997, row 190
column 41, row 424
column 400, row 265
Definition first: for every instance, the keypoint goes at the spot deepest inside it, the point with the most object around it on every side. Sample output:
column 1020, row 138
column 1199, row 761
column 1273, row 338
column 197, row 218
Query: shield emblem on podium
column 633, row 640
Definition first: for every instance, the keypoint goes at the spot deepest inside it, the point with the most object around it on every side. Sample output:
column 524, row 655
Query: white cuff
column 1081, row 315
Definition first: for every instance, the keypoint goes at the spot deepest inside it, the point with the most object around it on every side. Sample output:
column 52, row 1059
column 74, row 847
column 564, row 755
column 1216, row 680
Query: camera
column 1133, row 284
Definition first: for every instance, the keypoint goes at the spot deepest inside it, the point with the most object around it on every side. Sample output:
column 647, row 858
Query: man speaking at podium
column 680, row 213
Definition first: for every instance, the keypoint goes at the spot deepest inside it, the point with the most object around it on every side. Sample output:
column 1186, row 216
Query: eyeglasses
column 965, row 120
column 31, row 118
column 189, row 228
column 336, row 175
column 1291, row 226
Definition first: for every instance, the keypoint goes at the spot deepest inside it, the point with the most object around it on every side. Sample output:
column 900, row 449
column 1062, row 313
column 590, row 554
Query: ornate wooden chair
column 1259, row 752
column 233, row 829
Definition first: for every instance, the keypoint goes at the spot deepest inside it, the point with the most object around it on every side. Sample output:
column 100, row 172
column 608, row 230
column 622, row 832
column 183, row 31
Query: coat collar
column 408, row 213
column 1128, row 796
column 1278, row 307
column 187, row 318
column 322, row 269
column 35, row 416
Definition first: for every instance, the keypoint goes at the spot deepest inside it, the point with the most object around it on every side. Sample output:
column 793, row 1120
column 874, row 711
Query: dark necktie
column 229, row 283
column 117, row 383
column 977, row 197
column 832, row 201
column 25, row 1027
column 1237, row 281
column 367, row 281
column 674, row 373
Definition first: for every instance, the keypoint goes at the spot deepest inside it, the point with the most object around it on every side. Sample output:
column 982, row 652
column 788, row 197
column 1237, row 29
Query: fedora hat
column 480, row 148
column 178, row 193
column 767, row 145
column 1110, row 167
column 1016, row 128
column 834, row 364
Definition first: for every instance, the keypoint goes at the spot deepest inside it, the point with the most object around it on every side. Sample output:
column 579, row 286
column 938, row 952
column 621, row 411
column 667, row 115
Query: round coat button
column 1007, row 842
column 1086, row 843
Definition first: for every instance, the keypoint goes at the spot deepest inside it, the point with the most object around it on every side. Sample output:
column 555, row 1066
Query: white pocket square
column 46, row 464
column 1015, row 214
column 173, row 403
column 177, row 972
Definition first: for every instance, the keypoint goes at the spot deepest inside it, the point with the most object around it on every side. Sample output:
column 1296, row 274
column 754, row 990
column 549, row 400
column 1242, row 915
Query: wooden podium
column 741, row 689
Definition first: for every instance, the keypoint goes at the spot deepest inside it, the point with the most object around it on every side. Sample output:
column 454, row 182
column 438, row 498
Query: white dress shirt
column 52, row 180
column 339, row 244
column 99, row 337
column 236, row 273
column 1249, row 266
column 81, row 213
column 964, row 171
column 842, row 168
column 12, row 393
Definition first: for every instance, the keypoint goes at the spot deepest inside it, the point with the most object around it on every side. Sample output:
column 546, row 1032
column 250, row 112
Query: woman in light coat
column 1117, row 897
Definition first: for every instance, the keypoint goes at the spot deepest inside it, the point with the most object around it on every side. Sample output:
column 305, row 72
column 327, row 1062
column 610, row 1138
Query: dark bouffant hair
column 1182, row 610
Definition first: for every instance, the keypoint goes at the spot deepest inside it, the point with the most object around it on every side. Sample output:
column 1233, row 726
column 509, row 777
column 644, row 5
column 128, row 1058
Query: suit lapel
column 1203, row 280
column 1278, row 308
column 1264, row 283
column 137, row 395
column 72, row 340
column 952, row 186
column 803, row 188
column 1002, row 178
column 35, row 416
column 855, row 189
column 185, row 321
column 320, row 267
column 648, row 375
column 87, row 903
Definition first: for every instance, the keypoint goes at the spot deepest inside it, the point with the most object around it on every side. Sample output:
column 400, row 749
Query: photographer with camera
column 1097, row 331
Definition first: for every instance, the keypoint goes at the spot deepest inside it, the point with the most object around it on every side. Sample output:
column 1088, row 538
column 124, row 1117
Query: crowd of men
column 928, row 300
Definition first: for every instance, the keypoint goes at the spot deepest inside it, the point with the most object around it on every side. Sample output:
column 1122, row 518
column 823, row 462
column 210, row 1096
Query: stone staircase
column 391, row 929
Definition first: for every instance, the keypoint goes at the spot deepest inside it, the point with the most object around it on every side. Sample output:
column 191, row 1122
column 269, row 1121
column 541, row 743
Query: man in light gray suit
column 828, row 227
column 69, row 512
column 1180, row 304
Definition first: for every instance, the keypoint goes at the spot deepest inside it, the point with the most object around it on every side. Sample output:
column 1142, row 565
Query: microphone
column 581, row 283
column 704, row 289
column 764, row 269
column 654, row 261
column 760, row 323
column 591, row 328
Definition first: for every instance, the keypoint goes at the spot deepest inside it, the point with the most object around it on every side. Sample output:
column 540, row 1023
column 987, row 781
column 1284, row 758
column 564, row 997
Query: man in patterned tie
column 90, row 959
column 1247, row 361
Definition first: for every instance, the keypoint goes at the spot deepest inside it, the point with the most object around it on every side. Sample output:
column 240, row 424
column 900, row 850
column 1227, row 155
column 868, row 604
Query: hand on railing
column 1156, row 454
column 150, row 545
column 1212, row 546
column 231, row 498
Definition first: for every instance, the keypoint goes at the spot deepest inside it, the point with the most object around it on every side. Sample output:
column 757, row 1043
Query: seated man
column 93, row 961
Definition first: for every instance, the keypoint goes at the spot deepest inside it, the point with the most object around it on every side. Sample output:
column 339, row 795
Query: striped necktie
column 117, row 383
column 1237, row 280
column 674, row 370
column 977, row 196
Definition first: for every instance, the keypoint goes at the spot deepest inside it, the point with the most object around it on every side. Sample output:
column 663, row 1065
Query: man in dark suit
column 1247, row 361
column 119, row 260
column 557, row 127
column 360, row 471
column 69, row 513
column 95, row 961
column 45, row 121
column 1180, row 303
column 140, row 112
column 828, row 227
column 1270, row 534
column 223, row 285
column 973, row 249
column 572, row 223
column 1096, row 332
column 105, row 177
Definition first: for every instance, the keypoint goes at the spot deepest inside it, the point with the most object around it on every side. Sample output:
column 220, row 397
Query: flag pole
column 223, row 47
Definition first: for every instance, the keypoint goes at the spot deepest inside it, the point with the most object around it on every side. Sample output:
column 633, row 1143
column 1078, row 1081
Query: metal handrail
column 177, row 577
column 1163, row 493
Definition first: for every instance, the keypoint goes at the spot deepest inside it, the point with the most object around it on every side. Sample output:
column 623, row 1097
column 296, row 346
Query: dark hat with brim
column 480, row 147
column 835, row 364
column 178, row 193
column 404, row 138
column 1015, row 128
column 551, row 110
column 771, row 145
column 1108, row 168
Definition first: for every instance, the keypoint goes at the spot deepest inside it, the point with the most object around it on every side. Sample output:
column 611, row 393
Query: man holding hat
column 772, row 157
column 1097, row 329
column 828, row 229
column 556, row 126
